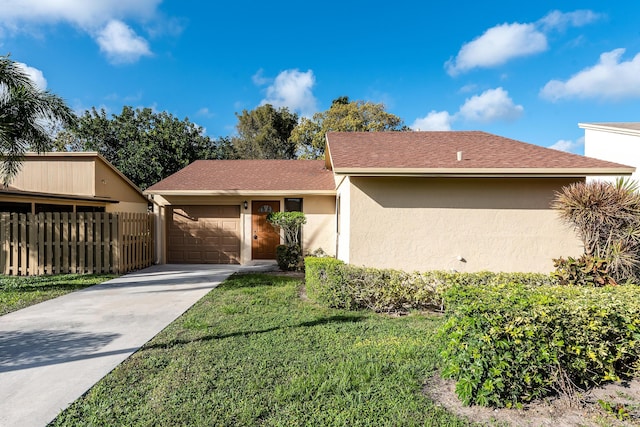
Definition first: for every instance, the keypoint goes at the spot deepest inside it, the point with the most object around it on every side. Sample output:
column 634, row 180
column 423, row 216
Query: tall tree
column 343, row 116
column 144, row 145
column 263, row 133
column 27, row 113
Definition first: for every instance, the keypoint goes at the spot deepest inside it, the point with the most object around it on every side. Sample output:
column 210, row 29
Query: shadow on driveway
column 24, row 350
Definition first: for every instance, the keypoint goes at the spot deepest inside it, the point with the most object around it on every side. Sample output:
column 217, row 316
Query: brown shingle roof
column 249, row 175
column 352, row 151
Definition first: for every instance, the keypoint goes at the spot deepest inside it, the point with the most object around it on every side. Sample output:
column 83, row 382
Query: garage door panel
column 204, row 234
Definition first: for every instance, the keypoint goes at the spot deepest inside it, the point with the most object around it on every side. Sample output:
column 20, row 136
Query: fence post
column 5, row 231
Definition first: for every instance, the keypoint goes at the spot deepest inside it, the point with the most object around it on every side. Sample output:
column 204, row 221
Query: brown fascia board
column 486, row 172
column 328, row 162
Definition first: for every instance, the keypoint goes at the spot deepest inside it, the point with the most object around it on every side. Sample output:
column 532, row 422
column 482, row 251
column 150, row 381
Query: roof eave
column 486, row 172
column 609, row 128
column 241, row 192
column 56, row 196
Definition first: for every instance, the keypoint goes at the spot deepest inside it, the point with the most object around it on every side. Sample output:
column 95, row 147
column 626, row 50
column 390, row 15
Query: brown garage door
column 204, row 235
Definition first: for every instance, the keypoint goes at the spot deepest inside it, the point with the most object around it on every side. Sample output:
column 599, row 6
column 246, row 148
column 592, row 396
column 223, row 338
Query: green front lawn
column 252, row 352
column 18, row 292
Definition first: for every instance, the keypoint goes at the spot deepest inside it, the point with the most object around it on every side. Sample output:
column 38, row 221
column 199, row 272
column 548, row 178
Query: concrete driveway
column 53, row 352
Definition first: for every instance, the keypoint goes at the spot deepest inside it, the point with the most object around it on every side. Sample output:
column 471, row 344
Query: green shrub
column 289, row 258
column 340, row 285
column 588, row 270
column 506, row 344
column 321, row 278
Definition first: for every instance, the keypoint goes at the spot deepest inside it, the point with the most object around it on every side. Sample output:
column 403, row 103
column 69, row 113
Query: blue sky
column 525, row 70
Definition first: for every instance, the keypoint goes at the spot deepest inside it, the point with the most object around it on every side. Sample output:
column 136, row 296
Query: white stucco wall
column 620, row 146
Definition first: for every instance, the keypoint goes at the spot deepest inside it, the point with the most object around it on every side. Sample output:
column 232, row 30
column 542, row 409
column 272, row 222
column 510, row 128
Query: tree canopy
column 343, row 116
column 263, row 133
column 144, row 145
column 27, row 116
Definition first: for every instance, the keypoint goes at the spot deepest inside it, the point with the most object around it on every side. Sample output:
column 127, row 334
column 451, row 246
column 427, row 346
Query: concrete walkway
column 53, row 352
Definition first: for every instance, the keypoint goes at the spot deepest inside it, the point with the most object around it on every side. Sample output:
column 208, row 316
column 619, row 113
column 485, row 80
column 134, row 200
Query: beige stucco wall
column 109, row 184
column 319, row 232
column 70, row 175
column 463, row 224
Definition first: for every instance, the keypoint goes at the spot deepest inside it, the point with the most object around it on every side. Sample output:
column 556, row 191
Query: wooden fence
column 59, row 243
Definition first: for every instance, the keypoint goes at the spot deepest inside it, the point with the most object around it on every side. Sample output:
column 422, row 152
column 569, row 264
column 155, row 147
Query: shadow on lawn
column 311, row 323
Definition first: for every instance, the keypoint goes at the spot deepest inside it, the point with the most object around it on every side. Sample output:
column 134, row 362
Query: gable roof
column 435, row 153
column 217, row 177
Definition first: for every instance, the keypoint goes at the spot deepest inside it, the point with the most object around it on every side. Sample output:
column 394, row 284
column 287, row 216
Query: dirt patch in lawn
column 597, row 407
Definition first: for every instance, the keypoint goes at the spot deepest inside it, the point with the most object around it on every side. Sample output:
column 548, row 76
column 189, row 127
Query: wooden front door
column 264, row 238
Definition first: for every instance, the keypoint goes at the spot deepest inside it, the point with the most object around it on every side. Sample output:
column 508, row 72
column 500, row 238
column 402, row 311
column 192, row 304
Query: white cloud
column 36, row 76
column 205, row 112
column 608, row 79
column 259, row 79
column 491, row 105
column 497, row 46
column 576, row 147
column 121, row 44
column 504, row 42
column 292, row 89
column 468, row 88
column 103, row 20
column 435, row 120
column 559, row 20
column 86, row 14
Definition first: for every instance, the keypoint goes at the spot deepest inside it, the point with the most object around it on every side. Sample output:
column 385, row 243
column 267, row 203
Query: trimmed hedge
column 336, row 284
column 509, row 343
column 509, row 338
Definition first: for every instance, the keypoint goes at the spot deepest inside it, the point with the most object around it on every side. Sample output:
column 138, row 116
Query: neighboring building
column 70, row 182
column 615, row 142
column 214, row 211
column 464, row 201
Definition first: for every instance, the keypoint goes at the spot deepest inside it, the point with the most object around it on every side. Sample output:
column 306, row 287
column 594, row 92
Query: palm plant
column 27, row 114
column 606, row 217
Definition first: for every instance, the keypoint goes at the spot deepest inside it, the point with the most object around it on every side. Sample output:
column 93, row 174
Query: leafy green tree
column 343, row 116
column 263, row 133
column 144, row 145
column 27, row 114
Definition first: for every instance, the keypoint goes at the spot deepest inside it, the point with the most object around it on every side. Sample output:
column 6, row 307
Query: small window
column 46, row 207
column 80, row 209
column 265, row 209
column 293, row 205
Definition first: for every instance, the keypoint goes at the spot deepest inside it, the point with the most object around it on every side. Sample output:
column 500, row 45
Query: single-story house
column 615, row 142
column 464, row 201
column 70, row 182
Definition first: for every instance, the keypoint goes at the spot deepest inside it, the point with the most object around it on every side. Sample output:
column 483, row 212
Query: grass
column 18, row 292
column 252, row 352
